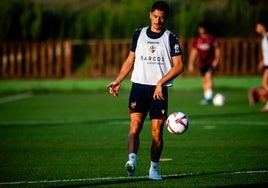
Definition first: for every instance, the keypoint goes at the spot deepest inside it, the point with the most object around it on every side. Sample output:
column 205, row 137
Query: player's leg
column 158, row 115
column 265, row 92
column 156, row 147
column 138, row 111
column 207, row 83
column 136, row 125
column 157, row 139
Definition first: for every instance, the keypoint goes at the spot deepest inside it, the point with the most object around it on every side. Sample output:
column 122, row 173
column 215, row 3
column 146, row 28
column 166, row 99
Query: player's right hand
column 261, row 66
column 191, row 69
column 114, row 88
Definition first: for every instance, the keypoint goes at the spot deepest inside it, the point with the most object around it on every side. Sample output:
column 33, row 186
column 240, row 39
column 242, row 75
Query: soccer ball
column 218, row 100
column 177, row 123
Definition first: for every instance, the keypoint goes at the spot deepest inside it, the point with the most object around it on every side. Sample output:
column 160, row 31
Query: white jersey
column 265, row 50
column 152, row 59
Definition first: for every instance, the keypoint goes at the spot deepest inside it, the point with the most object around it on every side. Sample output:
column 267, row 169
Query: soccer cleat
column 131, row 168
column 264, row 109
column 153, row 175
column 205, row 102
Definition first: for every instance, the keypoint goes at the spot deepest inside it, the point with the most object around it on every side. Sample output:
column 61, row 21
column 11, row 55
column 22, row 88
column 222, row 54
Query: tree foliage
column 44, row 20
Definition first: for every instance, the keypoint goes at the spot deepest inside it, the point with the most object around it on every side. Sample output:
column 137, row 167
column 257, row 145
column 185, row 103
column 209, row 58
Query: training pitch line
column 15, row 97
column 79, row 180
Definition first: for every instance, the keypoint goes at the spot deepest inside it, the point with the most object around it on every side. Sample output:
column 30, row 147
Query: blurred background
column 90, row 38
column 107, row 19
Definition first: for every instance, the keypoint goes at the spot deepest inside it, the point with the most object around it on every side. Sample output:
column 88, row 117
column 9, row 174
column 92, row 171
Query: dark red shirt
column 206, row 49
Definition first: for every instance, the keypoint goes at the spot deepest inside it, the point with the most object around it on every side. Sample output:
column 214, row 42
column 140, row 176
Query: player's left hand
column 158, row 95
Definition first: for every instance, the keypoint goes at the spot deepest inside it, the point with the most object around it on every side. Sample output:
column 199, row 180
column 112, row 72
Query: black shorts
column 205, row 69
column 141, row 100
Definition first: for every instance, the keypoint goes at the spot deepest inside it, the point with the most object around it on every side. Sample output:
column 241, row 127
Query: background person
column 261, row 94
column 156, row 59
column 206, row 48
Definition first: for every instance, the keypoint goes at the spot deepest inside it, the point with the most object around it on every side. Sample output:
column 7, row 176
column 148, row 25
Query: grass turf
column 89, row 85
column 80, row 138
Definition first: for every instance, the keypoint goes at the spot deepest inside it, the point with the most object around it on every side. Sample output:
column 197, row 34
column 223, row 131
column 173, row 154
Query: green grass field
column 72, row 133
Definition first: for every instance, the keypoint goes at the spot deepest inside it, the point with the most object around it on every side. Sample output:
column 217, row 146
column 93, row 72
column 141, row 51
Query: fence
column 36, row 59
column 99, row 58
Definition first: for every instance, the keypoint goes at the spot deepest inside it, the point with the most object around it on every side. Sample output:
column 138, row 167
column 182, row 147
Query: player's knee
column 157, row 133
column 136, row 126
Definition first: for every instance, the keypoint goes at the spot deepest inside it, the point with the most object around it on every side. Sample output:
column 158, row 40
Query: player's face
column 259, row 29
column 158, row 19
column 201, row 30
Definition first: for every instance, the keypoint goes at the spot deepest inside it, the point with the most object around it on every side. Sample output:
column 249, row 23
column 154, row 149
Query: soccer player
column 156, row 59
column 206, row 47
column 261, row 94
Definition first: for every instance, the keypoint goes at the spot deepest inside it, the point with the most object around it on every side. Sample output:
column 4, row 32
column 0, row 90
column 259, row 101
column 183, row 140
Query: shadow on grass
column 29, row 123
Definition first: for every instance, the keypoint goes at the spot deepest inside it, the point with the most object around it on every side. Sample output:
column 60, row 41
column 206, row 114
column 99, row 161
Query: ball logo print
column 177, row 123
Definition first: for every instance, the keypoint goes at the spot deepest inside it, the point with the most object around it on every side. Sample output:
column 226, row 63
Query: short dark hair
column 161, row 5
column 204, row 25
column 262, row 22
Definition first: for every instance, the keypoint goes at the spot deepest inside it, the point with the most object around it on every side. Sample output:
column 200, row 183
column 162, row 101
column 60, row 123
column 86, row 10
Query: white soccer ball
column 218, row 100
column 177, row 123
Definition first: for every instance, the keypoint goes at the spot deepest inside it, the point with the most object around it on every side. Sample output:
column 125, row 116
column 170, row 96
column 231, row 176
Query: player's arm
column 261, row 65
column 192, row 57
column 217, row 57
column 265, row 80
column 127, row 65
column 176, row 70
column 125, row 69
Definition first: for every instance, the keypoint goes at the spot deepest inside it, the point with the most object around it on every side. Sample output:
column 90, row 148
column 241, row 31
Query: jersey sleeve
column 175, row 45
column 135, row 40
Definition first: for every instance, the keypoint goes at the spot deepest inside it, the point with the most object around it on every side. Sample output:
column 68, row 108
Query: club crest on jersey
column 133, row 104
column 152, row 49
